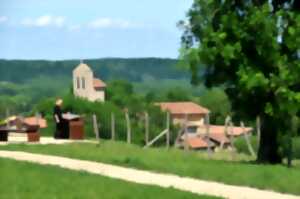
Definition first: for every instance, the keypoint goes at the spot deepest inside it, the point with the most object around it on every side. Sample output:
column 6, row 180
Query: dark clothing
column 61, row 126
column 57, row 111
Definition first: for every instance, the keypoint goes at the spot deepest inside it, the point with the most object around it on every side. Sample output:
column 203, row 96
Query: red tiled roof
column 236, row 131
column 183, row 108
column 98, row 83
column 197, row 143
column 220, row 138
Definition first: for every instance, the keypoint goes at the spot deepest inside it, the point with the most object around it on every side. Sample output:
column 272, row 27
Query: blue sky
column 81, row 29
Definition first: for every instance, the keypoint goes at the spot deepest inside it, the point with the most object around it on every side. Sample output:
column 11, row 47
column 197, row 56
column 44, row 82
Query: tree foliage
column 252, row 48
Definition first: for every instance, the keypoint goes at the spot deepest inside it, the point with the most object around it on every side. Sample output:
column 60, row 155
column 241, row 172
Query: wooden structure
column 165, row 132
column 74, row 128
column 32, row 132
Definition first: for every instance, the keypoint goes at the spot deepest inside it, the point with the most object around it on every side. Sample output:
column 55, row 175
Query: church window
column 78, row 83
column 83, row 82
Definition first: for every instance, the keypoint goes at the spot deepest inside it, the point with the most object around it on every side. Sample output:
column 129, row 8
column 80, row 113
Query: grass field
column 26, row 180
column 278, row 178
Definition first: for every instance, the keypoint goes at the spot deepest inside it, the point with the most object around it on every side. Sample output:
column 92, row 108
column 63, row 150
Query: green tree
column 178, row 94
column 217, row 102
column 252, row 48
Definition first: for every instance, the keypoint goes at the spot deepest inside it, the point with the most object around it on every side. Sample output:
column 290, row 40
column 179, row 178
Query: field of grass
column 244, row 173
column 27, row 180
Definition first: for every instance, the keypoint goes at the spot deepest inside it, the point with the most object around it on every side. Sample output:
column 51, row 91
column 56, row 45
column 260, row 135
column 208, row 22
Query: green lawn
column 27, row 180
column 278, row 178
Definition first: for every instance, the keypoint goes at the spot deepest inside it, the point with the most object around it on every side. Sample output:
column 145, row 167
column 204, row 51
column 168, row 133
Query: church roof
column 98, row 83
column 83, row 67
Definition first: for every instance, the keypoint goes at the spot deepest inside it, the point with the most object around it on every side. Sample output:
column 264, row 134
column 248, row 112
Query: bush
column 241, row 146
column 296, row 148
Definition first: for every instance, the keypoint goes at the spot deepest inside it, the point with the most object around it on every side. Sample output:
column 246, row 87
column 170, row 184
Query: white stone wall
column 193, row 120
column 98, row 96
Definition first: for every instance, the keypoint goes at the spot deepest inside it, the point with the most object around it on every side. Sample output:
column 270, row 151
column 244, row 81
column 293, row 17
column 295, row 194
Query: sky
column 82, row 29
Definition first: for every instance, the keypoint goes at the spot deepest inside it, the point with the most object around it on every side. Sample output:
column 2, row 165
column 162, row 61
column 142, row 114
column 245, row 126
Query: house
column 199, row 135
column 86, row 86
column 182, row 112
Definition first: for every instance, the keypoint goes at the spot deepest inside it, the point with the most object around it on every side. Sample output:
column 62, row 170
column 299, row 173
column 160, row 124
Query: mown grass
column 194, row 164
column 27, row 180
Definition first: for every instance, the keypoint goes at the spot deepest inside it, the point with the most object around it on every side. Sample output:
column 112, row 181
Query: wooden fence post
column 227, row 121
column 128, row 127
column 37, row 119
column 156, row 138
column 231, row 134
column 96, row 128
column 113, row 128
column 168, row 131
column 208, row 133
column 258, row 126
column 248, row 142
column 146, row 128
column 186, row 144
column 7, row 116
column 231, row 140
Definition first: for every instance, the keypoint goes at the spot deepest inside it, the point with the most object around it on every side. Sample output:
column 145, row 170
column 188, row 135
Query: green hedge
column 103, row 111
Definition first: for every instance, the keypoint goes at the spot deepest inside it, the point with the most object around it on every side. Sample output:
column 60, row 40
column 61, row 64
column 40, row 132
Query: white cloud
column 111, row 23
column 43, row 21
column 3, row 19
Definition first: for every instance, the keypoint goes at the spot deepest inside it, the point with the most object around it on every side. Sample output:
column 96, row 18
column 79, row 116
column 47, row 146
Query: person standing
column 58, row 118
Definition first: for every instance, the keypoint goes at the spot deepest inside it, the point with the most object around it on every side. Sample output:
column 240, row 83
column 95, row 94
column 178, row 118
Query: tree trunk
column 268, row 148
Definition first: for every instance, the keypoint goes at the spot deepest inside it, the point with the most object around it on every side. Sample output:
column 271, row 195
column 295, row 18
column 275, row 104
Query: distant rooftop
column 183, row 108
column 98, row 83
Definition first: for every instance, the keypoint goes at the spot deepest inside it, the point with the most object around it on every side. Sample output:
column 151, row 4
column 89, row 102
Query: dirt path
column 17, row 138
column 150, row 178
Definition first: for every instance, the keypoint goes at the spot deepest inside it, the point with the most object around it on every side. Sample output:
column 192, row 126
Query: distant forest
column 133, row 70
column 25, row 83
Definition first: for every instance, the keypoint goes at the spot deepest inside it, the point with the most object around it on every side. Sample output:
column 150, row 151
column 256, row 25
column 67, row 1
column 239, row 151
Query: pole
column 186, row 146
column 146, row 128
column 128, row 127
column 96, row 128
column 258, row 126
column 113, row 126
column 250, row 148
column 207, row 134
column 168, row 131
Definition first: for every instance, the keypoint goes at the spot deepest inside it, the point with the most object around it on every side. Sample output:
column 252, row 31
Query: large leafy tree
column 252, row 47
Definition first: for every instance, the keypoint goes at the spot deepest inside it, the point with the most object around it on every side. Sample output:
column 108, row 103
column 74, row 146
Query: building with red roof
column 185, row 111
column 85, row 85
column 193, row 116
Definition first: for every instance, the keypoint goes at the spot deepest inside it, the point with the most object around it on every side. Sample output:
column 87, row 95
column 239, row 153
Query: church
column 86, row 86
